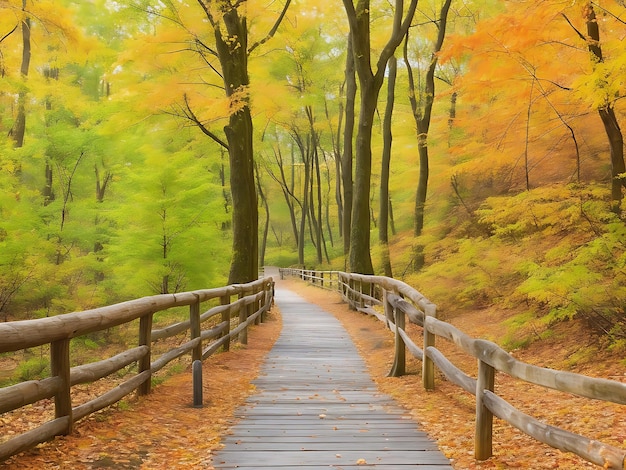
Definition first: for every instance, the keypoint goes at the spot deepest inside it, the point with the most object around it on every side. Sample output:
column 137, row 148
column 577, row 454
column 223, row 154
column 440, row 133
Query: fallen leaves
column 448, row 413
column 162, row 430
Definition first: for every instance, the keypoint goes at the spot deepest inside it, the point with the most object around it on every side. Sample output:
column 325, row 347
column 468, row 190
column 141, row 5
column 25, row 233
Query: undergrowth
column 551, row 254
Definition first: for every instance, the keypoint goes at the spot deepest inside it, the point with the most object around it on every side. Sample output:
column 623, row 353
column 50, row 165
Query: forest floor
column 163, row 430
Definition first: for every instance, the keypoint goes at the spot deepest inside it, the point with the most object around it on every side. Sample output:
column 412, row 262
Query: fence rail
column 399, row 301
column 253, row 301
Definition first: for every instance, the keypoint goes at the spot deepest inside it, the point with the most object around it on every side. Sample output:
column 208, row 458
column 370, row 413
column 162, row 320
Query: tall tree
column 370, row 83
column 383, row 226
column 266, row 225
column 19, row 127
column 606, row 108
column 306, row 69
column 287, row 187
column 347, row 159
column 422, row 113
column 230, row 30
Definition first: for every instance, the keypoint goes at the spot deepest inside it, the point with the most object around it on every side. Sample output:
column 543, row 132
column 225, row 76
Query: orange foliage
column 529, row 67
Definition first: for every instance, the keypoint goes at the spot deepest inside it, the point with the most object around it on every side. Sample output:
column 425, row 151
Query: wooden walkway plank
column 316, row 406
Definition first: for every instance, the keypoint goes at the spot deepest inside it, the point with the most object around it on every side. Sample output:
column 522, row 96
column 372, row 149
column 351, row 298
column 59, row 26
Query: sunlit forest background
column 115, row 176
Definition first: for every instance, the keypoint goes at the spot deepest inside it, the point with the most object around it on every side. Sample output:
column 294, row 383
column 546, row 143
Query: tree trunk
column 232, row 50
column 348, row 145
column 392, row 223
column 607, row 114
column 48, row 190
column 287, row 189
column 360, row 258
column 316, row 185
column 329, row 227
column 452, row 116
column 422, row 186
column 267, row 218
column 616, row 143
column 423, row 117
column 383, row 227
column 304, row 215
column 102, row 184
column 370, row 83
column 320, row 220
column 19, row 127
column 336, row 138
column 225, row 192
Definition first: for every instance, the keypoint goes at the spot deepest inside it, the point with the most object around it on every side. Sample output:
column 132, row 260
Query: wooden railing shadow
column 399, row 300
column 228, row 321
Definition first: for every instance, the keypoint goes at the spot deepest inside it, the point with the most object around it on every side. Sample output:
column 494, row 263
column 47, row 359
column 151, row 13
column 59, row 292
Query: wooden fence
column 229, row 320
column 399, row 300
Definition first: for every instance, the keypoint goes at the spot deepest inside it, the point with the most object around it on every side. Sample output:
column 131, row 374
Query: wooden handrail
column 253, row 301
column 399, row 299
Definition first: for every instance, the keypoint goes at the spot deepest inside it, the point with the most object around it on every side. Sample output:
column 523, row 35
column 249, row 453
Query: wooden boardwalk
column 316, row 406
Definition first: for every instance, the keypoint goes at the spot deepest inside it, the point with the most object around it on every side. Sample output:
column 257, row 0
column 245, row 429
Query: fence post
column 263, row 302
column 484, row 418
column 399, row 361
column 145, row 339
column 195, row 328
column 428, row 367
column 60, row 366
column 351, row 294
column 256, row 306
column 196, row 371
column 243, row 316
column 361, row 300
column 225, row 300
column 388, row 309
column 341, row 287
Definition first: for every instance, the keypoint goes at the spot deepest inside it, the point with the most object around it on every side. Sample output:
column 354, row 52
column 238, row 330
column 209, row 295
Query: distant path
column 317, row 407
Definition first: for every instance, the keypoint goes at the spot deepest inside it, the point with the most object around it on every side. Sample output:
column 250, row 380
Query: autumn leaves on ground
column 163, row 430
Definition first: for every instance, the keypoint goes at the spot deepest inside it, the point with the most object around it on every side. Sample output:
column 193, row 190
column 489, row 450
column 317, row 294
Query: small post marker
column 196, row 369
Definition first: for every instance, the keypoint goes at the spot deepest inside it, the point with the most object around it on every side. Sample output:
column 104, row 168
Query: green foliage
column 124, row 405
column 547, row 210
column 558, row 250
column 115, row 115
column 583, row 280
column 518, row 336
column 34, row 368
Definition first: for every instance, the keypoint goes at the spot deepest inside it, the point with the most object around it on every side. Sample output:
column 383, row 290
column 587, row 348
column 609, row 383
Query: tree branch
column 9, row 33
column 189, row 114
column 206, row 47
column 580, row 35
column 613, row 15
column 400, row 29
column 270, row 35
column 208, row 14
